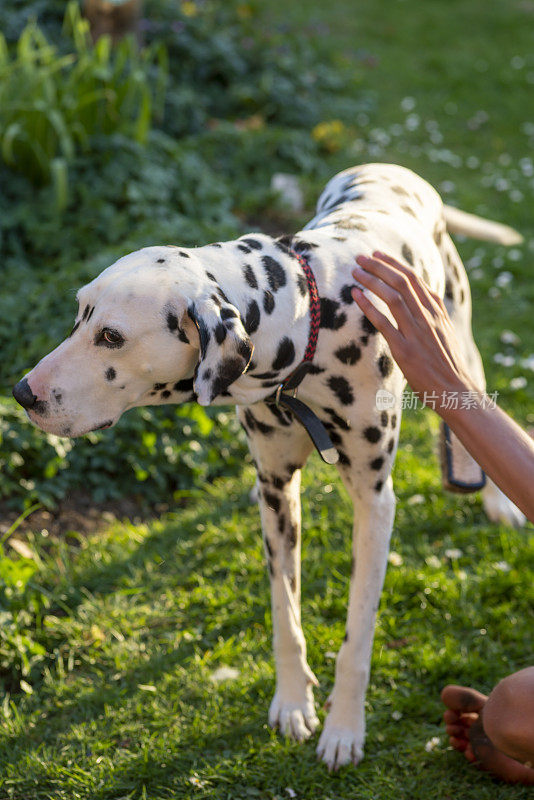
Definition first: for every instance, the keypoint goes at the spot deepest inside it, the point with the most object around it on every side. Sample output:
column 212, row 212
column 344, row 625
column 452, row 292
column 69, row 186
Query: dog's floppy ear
column 225, row 347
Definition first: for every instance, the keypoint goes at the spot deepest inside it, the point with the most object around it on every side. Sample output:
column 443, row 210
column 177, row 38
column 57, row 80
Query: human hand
column 424, row 344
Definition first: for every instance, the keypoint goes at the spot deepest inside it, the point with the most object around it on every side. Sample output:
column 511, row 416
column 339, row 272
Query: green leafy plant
column 51, row 104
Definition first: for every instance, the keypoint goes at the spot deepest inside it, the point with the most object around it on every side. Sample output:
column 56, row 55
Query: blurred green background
column 111, row 633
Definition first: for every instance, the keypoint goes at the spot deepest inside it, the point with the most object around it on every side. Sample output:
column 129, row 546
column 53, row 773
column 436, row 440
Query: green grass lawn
column 144, row 614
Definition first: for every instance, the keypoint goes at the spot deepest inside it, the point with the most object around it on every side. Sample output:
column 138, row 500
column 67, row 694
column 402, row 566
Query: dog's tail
column 479, row 228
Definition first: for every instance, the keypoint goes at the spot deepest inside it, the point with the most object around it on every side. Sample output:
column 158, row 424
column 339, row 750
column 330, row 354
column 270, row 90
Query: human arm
column 426, row 349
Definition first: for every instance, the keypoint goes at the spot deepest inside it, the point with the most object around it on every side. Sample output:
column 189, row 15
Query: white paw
column 340, row 745
column 499, row 508
column 294, row 714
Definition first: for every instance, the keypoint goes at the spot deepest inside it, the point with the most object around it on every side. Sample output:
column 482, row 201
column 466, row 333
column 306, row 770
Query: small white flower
column 453, row 553
column 432, row 744
column 502, row 566
column 504, row 361
column 330, row 654
column 408, row 103
column 396, row 715
column 504, row 279
column 433, row 561
column 509, row 337
column 518, row 383
column 517, row 62
column 291, row 792
column 528, row 363
column 416, row 500
column 224, row 673
column 395, row 559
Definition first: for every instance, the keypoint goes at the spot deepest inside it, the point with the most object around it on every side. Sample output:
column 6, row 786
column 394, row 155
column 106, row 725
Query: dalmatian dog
column 226, row 323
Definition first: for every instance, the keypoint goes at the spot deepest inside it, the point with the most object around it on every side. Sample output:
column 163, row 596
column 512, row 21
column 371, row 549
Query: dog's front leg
column 292, row 709
column 343, row 734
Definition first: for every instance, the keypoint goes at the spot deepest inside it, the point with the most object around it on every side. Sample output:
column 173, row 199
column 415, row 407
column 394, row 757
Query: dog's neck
column 261, row 277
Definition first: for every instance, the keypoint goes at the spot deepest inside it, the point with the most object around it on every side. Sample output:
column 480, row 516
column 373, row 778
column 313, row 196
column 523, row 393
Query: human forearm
column 485, row 430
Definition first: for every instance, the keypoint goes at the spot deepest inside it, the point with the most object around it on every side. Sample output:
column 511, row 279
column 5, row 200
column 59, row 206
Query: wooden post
column 114, row 18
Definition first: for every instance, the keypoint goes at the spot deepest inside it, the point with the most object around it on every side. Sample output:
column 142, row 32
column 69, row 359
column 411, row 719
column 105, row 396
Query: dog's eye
column 109, row 338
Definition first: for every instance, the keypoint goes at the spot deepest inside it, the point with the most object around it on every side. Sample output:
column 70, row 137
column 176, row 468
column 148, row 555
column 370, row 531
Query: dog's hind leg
column 280, row 448
column 458, row 303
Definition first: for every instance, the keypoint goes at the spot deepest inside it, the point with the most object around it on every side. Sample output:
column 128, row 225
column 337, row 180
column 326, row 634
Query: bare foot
column 463, row 723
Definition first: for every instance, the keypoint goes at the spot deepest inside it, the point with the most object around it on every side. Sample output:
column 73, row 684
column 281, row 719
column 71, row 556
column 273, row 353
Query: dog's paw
column 499, row 508
column 339, row 746
column 294, row 717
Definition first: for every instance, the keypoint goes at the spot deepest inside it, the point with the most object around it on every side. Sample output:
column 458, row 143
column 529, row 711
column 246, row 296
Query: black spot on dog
column 342, row 389
column 377, row 463
column 90, row 314
column 261, row 376
column 425, row 276
column 75, row 328
column 268, row 547
column 462, row 296
column 186, row 255
column 293, row 584
column 276, row 275
column 160, row 260
column 346, row 295
column 449, row 294
column 301, row 246
column 285, row 355
column 220, row 333
column 256, row 424
column 349, row 354
column 372, row 434
column 268, row 302
column 182, row 336
column 250, row 276
column 409, row 210
column 270, row 384
column 209, row 274
column 253, row 243
column 216, row 300
column 284, row 242
column 407, row 254
column 329, row 318
column 302, row 284
column 334, row 435
column 314, row 369
column 384, row 419
column 216, row 244
column 393, row 420
column 252, row 317
column 292, row 535
column 391, row 445
column 339, row 421
column 385, row 365
column 229, row 370
column 159, row 386
column 283, row 417
column 346, row 637
column 172, row 321
column 110, row 374
column 438, row 234
column 250, row 420
column 185, row 385
column 85, row 312
column 278, row 482
column 272, row 501
column 165, row 394
column 40, row 407
column 228, row 313
column 58, row 397
column 368, row 327
column 400, row 190
column 344, row 460
column 243, row 248
column 378, row 486
column 244, row 348
column 281, row 523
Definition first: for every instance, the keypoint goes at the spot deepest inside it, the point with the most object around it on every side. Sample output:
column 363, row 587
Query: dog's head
column 152, row 328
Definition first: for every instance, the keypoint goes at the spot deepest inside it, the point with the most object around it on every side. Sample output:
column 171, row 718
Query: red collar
column 315, row 306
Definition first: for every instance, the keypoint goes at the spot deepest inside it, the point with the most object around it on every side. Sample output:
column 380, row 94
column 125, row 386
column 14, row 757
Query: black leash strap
column 316, row 430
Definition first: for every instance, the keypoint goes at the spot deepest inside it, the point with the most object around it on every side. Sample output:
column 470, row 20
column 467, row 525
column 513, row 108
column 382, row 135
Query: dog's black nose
column 23, row 394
